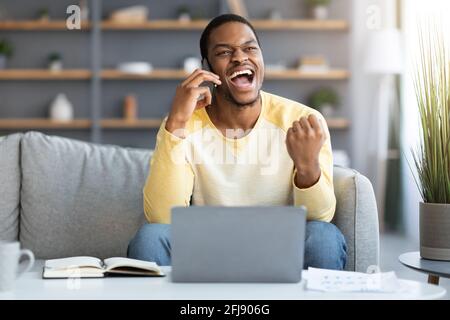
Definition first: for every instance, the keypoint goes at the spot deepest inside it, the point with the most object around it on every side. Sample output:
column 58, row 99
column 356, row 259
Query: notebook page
column 111, row 263
column 74, row 262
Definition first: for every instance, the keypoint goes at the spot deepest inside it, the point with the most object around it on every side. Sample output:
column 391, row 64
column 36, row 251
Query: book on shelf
column 91, row 267
column 313, row 64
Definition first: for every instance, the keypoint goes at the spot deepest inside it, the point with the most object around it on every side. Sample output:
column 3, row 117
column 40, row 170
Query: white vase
column 61, row 109
column 320, row 12
column 2, row 61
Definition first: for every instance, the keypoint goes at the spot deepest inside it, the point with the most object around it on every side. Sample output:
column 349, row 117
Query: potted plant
column 432, row 157
column 184, row 14
column 324, row 100
column 319, row 8
column 43, row 14
column 6, row 51
column 55, row 61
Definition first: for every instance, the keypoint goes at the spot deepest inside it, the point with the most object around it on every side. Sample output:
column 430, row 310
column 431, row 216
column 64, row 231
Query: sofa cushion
column 80, row 198
column 9, row 186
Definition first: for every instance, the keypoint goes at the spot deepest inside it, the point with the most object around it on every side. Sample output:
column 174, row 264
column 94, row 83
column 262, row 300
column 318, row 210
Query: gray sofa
column 61, row 197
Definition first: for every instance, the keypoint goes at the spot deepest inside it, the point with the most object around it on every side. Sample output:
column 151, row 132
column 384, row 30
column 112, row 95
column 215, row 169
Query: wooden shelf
column 156, row 25
column 130, row 124
column 338, row 123
column 31, row 25
column 43, row 74
column 297, row 24
column 294, row 74
column 38, row 123
column 164, row 74
column 294, row 24
column 170, row 74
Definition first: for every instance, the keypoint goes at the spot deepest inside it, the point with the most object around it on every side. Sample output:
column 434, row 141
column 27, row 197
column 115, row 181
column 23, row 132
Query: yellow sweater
column 210, row 169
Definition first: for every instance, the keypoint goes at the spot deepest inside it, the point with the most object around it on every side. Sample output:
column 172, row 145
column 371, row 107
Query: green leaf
column 432, row 87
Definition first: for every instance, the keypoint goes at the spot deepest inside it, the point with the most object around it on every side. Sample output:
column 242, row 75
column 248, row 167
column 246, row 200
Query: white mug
column 10, row 254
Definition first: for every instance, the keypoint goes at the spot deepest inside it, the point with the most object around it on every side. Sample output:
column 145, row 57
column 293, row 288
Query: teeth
column 237, row 73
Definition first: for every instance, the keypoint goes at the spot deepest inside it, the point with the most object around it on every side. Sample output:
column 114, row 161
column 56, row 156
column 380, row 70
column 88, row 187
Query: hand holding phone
column 190, row 96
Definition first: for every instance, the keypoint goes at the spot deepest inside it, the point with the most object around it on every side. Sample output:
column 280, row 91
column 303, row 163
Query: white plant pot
column 2, row 62
column 320, row 12
column 327, row 110
column 55, row 65
column 61, row 109
column 435, row 231
column 184, row 17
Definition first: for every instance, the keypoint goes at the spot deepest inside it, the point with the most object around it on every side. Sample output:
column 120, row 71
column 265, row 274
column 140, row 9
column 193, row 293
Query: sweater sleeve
column 170, row 180
column 319, row 199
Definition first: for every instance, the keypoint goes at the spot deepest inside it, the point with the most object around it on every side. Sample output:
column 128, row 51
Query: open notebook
column 91, row 267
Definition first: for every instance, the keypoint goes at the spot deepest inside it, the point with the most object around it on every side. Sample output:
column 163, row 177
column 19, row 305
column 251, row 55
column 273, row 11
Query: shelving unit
column 130, row 124
column 155, row 25
column 42, row 123
column 38, row 25
column 37, row 74
column 103, row 81
column 299, row 75
column 298, row 24
column 158, row 74
column 337, row 25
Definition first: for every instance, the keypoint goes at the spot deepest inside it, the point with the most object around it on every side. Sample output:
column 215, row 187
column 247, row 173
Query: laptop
column 237, row 244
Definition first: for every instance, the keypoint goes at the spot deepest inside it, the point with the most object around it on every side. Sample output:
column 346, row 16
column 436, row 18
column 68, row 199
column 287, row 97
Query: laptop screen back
column 237, row 244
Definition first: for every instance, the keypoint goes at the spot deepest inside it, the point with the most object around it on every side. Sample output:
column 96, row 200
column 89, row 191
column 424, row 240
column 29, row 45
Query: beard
column 230, row 98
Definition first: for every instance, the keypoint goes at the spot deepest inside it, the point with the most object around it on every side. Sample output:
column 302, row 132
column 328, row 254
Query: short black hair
column 217, row 22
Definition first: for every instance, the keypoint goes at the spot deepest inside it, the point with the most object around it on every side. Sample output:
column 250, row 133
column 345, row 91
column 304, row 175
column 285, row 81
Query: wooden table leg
column 433, row 279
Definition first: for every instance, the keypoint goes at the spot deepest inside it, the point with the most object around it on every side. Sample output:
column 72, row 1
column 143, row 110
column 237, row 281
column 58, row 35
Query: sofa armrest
column 357, row 217
column 10, row 186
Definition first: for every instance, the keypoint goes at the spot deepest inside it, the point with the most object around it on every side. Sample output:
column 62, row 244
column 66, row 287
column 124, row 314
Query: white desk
column 32, row 286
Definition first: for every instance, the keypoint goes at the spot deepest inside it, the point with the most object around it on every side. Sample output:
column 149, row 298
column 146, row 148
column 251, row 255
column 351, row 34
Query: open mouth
column 242, row 79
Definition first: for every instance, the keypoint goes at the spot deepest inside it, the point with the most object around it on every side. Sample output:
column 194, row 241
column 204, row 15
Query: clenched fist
column 303, row 141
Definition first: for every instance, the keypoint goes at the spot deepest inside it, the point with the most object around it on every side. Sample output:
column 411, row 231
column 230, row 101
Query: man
column 237, row 145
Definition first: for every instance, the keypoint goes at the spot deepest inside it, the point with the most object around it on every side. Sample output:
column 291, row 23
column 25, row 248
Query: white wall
column 367, row 16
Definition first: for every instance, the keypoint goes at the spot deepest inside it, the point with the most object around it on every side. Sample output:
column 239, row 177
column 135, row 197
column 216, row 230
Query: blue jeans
column 325, row 245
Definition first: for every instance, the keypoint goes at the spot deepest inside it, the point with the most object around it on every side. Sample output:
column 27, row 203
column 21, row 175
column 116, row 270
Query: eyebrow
column 229, row 46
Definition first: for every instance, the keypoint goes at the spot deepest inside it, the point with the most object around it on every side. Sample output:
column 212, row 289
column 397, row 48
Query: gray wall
column 164, row 49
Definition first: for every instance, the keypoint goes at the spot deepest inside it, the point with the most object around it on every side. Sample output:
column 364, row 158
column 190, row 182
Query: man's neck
column 226, row 115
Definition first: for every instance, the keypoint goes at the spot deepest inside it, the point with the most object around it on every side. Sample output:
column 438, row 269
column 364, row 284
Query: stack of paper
column 345, row 281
